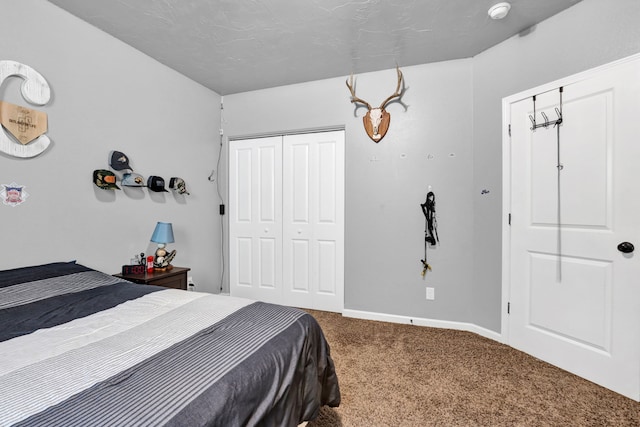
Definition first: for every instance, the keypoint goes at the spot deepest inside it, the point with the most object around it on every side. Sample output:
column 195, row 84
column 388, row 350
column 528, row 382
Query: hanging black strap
column 430, row 227
column 431, row 218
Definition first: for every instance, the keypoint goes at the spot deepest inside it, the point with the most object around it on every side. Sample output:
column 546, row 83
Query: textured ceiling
column 233, row 46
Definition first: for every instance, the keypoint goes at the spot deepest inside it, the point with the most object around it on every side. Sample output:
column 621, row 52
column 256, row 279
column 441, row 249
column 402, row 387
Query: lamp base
column 163, row 258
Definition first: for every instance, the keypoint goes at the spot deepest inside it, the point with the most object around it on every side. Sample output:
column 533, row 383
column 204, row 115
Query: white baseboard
column 433, row 323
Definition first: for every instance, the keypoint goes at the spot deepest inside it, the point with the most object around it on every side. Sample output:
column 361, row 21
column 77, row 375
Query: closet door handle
column 266, row 230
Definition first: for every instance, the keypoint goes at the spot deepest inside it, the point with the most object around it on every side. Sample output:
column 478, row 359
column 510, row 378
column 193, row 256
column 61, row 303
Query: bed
column 79, row 347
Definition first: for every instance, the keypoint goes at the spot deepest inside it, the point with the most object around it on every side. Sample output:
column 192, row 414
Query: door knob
column 626, row 247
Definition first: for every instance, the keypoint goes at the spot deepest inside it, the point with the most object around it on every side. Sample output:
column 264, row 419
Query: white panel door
column 255, row 218
column 574, row 296
column 313, row 220
column 286, row 219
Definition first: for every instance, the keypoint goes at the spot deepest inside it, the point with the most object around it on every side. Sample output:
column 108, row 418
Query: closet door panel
column 299, row 268
column 327, row 272
column 327, row 187
column 255, row 218
column 313, row 212
column 299, row 170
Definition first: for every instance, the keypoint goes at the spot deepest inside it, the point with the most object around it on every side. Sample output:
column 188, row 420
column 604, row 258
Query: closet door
column 255, row 219
column 286, row 219
column 313, row 220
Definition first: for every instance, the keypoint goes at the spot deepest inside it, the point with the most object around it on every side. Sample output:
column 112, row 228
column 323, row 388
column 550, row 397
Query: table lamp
column 162, row 235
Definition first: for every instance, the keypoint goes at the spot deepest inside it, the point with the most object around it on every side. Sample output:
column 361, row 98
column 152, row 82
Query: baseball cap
column 119, row 161
column 105, row 179
column 156, row 183
column 178, row 184
column 132, row 180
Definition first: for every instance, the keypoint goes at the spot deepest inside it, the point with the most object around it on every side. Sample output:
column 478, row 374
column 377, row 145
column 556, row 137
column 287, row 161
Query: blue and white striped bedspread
column 81, row 348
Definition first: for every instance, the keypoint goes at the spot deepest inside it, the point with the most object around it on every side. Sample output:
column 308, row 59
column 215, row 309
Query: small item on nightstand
column 150, row 264
column 163, row 259
column 133, row 269
column 138, row 259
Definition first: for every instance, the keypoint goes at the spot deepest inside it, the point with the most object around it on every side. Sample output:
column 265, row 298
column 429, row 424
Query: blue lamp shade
column 163, row 233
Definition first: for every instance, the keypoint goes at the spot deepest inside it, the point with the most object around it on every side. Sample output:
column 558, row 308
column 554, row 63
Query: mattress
column 79, row 347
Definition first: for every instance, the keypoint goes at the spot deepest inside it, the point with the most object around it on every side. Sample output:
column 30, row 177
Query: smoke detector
column 499, row 10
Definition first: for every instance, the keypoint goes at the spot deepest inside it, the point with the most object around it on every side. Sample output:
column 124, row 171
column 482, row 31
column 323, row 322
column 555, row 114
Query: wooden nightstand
column 174, row 278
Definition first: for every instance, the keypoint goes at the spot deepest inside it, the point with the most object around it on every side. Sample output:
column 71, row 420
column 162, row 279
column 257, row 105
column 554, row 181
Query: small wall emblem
column 13, row 194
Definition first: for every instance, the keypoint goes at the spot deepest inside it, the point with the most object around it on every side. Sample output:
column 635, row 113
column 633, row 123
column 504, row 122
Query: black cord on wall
column 222, row 204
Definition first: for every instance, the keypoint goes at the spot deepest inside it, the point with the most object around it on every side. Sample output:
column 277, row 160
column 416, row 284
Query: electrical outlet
column 431, row 294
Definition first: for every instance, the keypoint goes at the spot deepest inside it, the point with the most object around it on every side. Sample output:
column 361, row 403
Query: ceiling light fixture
column 499, row 10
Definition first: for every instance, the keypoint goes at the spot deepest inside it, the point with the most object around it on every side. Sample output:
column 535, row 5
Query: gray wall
column 591, row 33
column 107, row 95
column 453, row 107
column 384, row 231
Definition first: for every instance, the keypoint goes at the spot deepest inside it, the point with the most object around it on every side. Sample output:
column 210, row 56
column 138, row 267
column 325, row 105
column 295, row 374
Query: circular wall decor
column 26, row 127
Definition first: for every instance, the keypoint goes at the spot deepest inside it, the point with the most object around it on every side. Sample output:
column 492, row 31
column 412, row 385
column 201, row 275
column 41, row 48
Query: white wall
column 384, row 232
column 591, row 33
column 105, row 96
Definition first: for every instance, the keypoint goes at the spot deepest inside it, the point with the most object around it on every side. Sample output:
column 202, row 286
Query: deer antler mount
column 376, row 121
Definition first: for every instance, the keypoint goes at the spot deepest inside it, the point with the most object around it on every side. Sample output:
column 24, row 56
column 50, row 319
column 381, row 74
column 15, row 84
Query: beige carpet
column 402, row 375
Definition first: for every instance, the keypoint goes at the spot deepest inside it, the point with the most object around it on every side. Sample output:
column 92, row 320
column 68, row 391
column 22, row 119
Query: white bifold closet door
column 286, row 218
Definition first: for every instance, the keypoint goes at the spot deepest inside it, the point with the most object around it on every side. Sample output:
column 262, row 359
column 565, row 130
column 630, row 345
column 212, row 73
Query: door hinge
column 508, row 308
column 509, row 218
column 509, row 129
